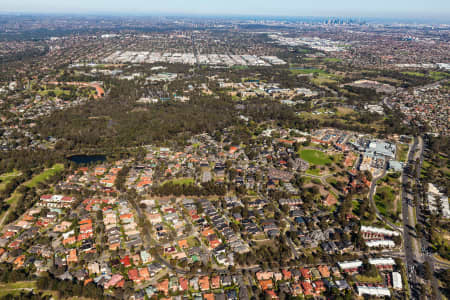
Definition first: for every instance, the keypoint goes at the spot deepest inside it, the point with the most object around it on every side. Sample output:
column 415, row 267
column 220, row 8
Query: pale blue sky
column 373, row 8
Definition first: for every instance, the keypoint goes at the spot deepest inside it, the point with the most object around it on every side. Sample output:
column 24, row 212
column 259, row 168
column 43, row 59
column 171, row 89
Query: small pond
column 87, row 159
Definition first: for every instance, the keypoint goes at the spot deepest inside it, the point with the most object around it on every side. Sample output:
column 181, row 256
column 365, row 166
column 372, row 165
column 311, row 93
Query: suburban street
column 411, row 262
column 412, row 245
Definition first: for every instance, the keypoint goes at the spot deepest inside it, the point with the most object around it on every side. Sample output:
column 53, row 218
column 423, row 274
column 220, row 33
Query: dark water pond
column 87, row 159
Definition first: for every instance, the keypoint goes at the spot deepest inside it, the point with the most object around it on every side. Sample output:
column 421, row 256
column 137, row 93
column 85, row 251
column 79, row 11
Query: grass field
column 180, row 181
column 252, row 193
column 323, row 79
column 426, row 164
column 384, row 200
column 332, row 59
column 331, row 180
column 14, row 288
column 7, row 177
column 311, row 171
column 433, row 75
column 355, row 206
column 306, row 71
column 320, row 78
column 430, row 169
column 439, row 75
column 344, row 116
column 388, row 80
column 315, row 157
column 367, row 279
column 14, row 197
column 316, row 181
column 426, row 167
column 44, row 175
column 57, row 91
column 417, row 74
column 12, row 201
column 402, row 152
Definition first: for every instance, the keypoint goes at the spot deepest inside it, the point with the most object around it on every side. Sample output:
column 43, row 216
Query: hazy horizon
column 288, row 8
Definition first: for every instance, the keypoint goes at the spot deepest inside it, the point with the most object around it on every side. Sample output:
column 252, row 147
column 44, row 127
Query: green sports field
column 315, row 157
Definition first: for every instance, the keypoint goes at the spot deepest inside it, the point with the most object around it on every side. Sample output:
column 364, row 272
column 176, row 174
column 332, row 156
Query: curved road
column 373, row 186
column 324, row 181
